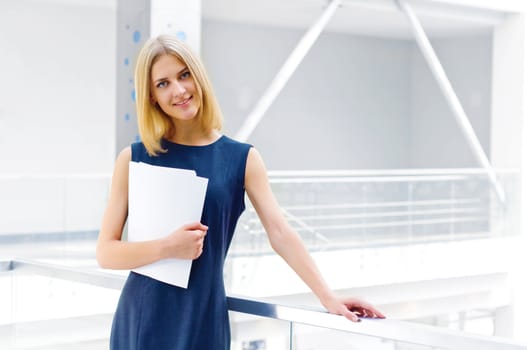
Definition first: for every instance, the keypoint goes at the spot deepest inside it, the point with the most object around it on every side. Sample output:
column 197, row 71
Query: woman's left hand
column 352, row 308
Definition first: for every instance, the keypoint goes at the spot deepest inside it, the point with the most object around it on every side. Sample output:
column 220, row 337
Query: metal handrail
column 285, row 173
column 388, row 329
column 388, row 172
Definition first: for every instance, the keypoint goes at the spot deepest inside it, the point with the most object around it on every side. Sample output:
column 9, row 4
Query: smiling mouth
column 184, row 102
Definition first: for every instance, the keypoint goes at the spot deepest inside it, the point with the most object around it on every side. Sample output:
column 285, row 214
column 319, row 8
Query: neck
column 192, row 135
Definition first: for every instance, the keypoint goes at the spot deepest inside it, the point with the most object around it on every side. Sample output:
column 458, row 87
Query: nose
column 179, row 90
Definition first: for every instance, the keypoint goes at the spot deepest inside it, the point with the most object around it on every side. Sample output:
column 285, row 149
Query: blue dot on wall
column 127, row 117
column 137, row 36
column 133, row 95
column 126, row 61
column 181, row 35
column 137, row 138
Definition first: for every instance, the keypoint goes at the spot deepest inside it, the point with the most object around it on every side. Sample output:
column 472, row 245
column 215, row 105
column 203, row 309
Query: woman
column 179, row 123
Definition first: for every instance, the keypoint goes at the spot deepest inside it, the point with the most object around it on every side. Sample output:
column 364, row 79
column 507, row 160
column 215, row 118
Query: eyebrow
column 178, row 73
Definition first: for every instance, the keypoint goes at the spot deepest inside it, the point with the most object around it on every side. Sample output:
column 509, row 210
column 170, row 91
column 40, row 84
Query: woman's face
column 174, row 89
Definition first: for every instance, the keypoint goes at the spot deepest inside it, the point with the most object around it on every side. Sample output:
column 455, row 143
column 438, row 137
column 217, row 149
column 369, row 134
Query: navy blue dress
column 152, row 315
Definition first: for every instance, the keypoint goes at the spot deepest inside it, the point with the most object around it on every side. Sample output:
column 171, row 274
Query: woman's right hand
column 186, row 242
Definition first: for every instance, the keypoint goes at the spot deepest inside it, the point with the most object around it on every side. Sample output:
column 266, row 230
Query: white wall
column 436, row 139
column 57, row 98
column 355, row 102
column 57, row 114
column 346, row 107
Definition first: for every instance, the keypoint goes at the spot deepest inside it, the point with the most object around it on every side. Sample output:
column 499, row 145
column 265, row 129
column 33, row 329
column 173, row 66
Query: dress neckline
column 170, row 143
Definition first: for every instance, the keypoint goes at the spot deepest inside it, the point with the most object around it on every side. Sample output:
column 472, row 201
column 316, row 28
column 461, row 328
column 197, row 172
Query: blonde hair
column 153, row 123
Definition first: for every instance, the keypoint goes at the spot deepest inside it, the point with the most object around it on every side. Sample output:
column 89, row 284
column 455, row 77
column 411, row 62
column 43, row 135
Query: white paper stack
column 160, row 200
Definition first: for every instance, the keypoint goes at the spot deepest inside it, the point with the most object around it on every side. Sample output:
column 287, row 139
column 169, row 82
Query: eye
column 185, row 75
column 162, row 84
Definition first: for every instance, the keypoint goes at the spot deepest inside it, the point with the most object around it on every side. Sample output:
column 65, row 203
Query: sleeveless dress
column 152, row 315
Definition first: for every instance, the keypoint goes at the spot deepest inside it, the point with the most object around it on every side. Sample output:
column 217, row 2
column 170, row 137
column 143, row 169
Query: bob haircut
column 153, row 123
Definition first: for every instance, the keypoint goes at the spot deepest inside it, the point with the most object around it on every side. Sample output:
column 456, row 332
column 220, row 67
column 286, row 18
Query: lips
column 184, row 102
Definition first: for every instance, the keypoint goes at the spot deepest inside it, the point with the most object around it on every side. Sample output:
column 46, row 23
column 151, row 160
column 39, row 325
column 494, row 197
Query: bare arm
column 112, row 253
column 286, row 242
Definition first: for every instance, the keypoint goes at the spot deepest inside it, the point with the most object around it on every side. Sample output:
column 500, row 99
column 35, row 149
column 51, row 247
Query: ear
column 153, row 100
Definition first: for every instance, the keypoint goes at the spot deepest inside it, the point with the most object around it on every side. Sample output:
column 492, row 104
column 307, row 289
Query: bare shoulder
column 255, row 165
column 121, row 164
column 125, row 154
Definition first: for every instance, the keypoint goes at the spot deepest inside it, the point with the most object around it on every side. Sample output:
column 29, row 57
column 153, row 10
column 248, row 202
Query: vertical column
column 507, row 90
column 138, row 20
column 504, row 321
column 181, row 18
column 133, row 29
column 509, row 150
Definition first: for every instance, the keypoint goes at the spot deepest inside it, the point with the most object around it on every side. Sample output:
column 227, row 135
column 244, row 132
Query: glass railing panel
column 51, row 309
column 328, row 209
column 42, row 312
column 6, row 297
column 355, row 209
column 306, row 337
column 52, row 218
column 249, row 332
column 358, row 211
column 313, row 328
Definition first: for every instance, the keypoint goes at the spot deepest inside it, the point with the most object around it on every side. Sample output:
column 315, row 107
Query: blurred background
column 393, row 132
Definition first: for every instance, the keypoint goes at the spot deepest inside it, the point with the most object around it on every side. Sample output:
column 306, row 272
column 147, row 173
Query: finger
column 195, row 226
column 351, row 316
column 199, row 251
column 371, row 312
column 198, row 234
column 190, row 226
column 368, row 313
column 364, row 308
column 376, row 312
column 360, row 312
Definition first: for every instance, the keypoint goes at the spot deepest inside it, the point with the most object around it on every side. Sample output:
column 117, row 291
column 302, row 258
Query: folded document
column 160, row 200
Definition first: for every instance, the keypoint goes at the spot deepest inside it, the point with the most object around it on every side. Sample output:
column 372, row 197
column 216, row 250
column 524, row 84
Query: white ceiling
column 368, row 17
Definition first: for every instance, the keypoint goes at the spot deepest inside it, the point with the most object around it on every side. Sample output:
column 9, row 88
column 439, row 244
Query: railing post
column 291, row 334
